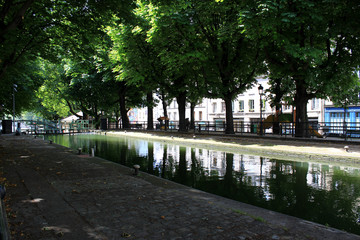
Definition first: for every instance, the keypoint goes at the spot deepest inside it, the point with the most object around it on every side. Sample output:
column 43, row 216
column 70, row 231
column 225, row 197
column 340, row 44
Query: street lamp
column 14, row 90
column 261, row 92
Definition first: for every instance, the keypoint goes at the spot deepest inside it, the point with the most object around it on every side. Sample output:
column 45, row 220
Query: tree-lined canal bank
column 55, row 193
column 313, row 190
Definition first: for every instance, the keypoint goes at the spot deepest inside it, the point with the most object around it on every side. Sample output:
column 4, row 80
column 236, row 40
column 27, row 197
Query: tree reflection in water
column 323, row 193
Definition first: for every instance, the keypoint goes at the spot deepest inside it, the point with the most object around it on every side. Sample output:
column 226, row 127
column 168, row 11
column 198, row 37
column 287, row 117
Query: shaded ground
column 53, row 193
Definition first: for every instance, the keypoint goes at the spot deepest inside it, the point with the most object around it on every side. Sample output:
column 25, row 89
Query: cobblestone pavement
column 53, row 193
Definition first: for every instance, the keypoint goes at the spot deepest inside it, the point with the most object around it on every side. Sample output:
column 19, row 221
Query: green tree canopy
column 233, row 59
column 50, row 29
column 310, row 40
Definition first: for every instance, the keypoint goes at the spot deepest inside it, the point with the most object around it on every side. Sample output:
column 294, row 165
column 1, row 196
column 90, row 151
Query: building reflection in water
column 324, row 193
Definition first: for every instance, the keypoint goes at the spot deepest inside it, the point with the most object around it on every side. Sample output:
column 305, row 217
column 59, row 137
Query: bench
column 136, row 125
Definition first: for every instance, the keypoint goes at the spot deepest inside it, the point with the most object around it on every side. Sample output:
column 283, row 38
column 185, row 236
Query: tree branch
column 18, row 18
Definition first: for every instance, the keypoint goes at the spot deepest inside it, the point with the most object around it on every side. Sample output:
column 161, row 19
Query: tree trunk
column 117, row 118
column 181, row 100
column 122, row 103
column 2, row 73
column 344, row 123
column 97, row 121
column 123, row 112
column 150, row 158
column 229, row 129
column 276, row 124
column 192, row 116
column 164, row 161
column 277, row 102
column 164, row 105
column 229, row 174
column 300, row 179
column 182, row 173
column 164, row 109
column 301, row 120
column 150, row 115
column 17, row 19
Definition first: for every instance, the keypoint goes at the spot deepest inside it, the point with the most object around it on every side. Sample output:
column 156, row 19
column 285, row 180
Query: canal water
column 323, row 193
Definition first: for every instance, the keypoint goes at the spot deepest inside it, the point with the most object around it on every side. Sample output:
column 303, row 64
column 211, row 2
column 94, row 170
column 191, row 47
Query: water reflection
column 317, row 192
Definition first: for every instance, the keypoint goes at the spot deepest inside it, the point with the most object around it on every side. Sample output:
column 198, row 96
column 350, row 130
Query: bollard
column 93, row 152
column 79, row 151
column 136, row 167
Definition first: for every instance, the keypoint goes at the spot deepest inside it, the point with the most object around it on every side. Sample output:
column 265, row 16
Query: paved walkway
column 53, row 193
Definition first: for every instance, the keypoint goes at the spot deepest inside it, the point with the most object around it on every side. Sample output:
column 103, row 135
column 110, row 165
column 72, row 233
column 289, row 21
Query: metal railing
column 284, row 129
column 48, row 127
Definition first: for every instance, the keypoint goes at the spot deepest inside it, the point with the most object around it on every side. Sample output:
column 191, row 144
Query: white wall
column 208, row 113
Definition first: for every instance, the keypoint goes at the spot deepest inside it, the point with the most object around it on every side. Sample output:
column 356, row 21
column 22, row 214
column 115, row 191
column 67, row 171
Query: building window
column 214, row 106
column 314, row 103
column 200, row 115
column 357, row 115
column 251, row 105
column 223, row 107
column 340, row 115
column 241, row 106
column 347, row 115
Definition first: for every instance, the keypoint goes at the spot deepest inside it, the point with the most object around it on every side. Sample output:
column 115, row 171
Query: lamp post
column 14, row 90
column 261, row 92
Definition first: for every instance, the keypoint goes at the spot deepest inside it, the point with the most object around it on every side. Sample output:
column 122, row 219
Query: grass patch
column 260, row 219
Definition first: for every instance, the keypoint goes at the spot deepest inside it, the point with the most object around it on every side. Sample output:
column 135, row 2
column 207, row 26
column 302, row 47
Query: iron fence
column 311, row 129
column 45, row 126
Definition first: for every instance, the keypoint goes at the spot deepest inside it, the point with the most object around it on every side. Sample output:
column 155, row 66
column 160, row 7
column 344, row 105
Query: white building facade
column 246, row 108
